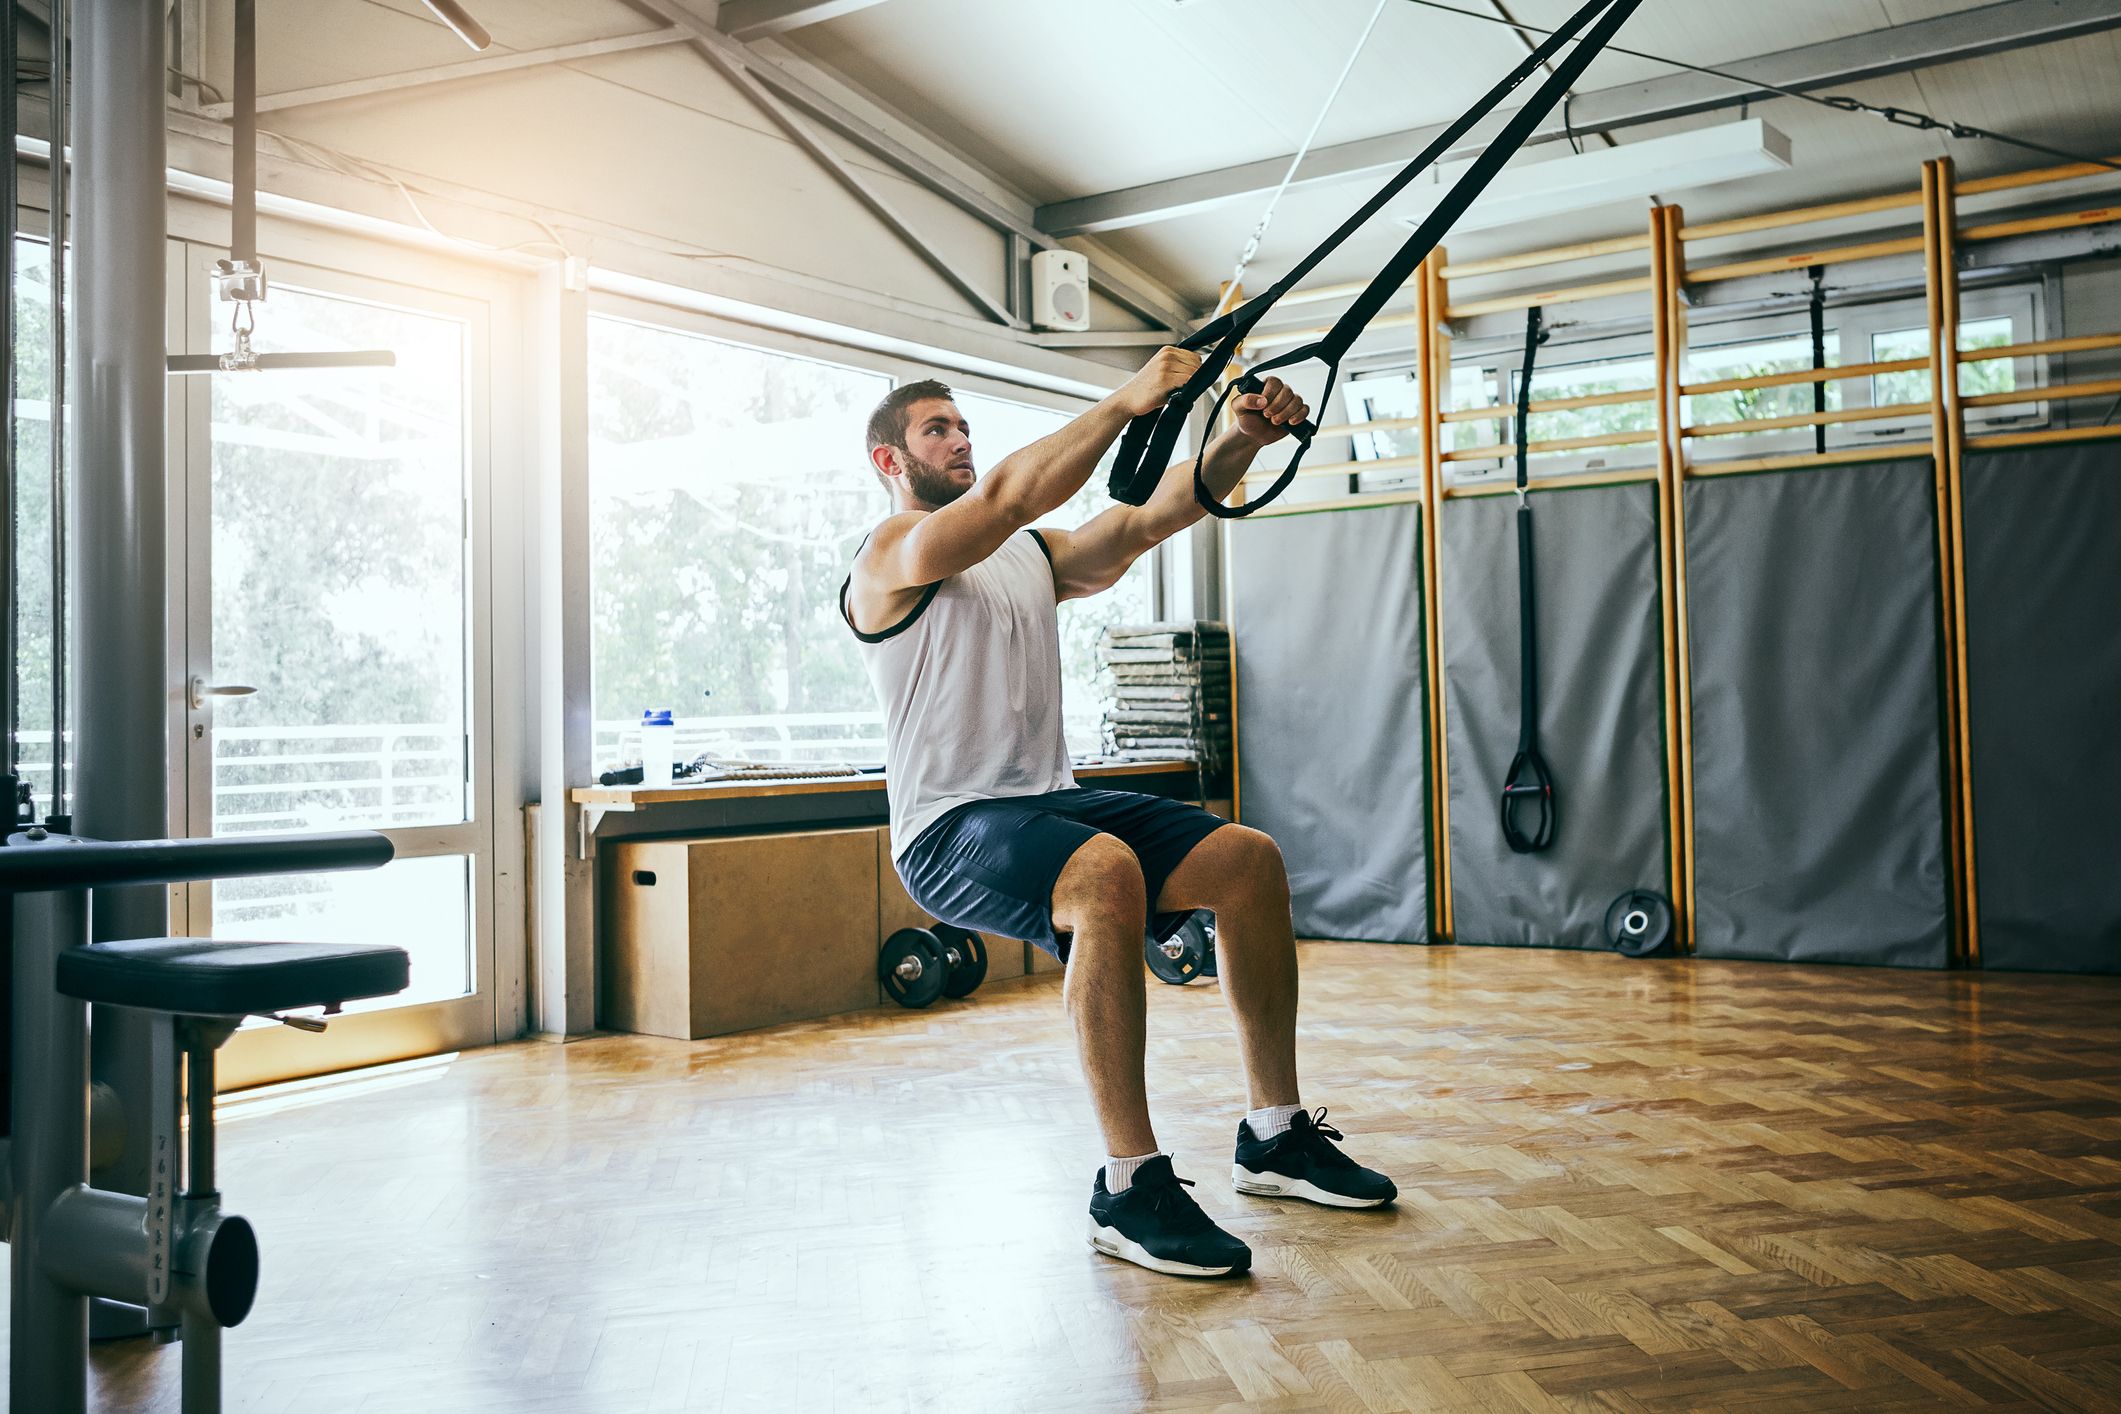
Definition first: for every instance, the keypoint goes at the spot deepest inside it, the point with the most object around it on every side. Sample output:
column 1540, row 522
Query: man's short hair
column 887, row 425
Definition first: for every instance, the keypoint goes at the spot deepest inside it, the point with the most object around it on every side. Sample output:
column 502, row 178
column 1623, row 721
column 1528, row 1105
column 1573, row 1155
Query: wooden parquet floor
column 1626, row 1186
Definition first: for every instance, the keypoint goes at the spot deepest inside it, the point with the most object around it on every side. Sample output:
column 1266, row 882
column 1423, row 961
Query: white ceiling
column 1068, row 99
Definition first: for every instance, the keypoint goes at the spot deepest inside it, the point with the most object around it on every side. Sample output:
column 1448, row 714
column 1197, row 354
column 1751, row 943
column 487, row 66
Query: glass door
column 337, row 660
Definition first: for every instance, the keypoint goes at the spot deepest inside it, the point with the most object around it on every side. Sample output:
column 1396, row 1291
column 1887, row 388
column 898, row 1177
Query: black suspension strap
column 1529, row 784
column 1818, row 274
column 1146, row 447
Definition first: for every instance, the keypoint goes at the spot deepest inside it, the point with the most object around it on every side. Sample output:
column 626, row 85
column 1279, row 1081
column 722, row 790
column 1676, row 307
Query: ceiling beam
column 976, row 196
column 452, row 73
column 1897, row 49
column 758, row 19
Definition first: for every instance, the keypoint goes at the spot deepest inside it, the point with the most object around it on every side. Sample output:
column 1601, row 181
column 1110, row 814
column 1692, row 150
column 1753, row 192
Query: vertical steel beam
column 121, row 611
column 563, row 965
column 61, row 547
column 10, row 646
column 48, row 1154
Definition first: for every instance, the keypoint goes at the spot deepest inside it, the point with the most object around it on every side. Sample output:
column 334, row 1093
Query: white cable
column 1266, row 218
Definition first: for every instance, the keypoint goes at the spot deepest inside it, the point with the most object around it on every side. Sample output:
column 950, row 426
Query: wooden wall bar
column 1671, row 567
column 1665, row 280
column 1433, row 359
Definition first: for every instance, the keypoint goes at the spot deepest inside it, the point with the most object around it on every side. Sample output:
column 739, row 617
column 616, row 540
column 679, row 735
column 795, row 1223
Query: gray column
column 563, row 966
column 120, row 614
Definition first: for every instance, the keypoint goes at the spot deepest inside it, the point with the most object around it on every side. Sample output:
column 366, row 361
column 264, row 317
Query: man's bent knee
column 1100, row 888
column 1235, row 866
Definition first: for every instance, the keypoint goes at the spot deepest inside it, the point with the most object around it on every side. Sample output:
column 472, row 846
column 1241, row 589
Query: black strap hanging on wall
column 1818, row 274
column 1147, row 445
column 1529, row 784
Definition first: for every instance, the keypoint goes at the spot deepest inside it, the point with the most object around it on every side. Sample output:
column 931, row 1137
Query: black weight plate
column 1205, row 921
column 1183, row 956
column 1639, row 923
column 926, row 973
column 970, row 969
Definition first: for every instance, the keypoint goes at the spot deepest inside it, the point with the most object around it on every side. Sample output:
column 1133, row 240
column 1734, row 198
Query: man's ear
column 885, row 460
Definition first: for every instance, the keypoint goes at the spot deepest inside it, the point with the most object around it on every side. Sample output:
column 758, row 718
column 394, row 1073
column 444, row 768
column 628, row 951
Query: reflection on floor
column 1628, row 1185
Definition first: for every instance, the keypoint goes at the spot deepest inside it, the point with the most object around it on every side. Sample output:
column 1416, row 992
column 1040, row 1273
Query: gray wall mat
column 1326, row 615
column 2043, row 587
column 1818, row 765
column 1601, row 695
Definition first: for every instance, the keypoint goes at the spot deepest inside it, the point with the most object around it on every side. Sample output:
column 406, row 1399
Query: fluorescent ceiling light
column 1632, row 172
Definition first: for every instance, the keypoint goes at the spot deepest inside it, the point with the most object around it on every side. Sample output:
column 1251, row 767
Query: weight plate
column 970, row 969
column 1183, row 956
column 911, row 967
column 1206, row 922
column 1639, row 923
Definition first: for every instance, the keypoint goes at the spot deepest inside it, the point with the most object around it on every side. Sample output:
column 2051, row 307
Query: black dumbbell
column 1186, row 954
column 918, row 965
column 966, row 952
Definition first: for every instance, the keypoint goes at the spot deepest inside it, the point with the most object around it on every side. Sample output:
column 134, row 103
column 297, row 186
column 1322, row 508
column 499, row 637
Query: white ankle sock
column 1119, row 1173
column 1272, row 1120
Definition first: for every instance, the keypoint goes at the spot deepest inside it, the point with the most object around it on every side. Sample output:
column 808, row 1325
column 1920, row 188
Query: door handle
column 201, row 689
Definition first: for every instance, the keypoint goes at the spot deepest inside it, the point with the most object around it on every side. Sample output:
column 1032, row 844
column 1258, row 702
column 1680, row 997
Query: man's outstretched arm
column 914, row 549
column 1093, row 557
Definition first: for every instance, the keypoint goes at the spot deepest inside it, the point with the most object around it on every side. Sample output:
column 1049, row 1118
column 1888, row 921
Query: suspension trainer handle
column 1146, row 447
column 1303, row 432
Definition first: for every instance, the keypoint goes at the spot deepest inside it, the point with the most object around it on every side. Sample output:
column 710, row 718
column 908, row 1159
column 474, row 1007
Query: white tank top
column 970, row 684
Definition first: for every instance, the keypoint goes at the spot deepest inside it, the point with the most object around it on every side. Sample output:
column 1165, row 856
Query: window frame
column 1852, row 325
column 655, row 315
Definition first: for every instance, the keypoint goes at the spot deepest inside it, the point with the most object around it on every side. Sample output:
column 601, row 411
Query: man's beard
column 930, row 484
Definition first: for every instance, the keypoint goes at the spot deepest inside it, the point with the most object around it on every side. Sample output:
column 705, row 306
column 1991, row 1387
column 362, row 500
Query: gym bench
column 174, row 1250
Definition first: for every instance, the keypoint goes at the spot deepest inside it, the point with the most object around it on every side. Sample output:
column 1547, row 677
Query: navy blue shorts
column 990, row 865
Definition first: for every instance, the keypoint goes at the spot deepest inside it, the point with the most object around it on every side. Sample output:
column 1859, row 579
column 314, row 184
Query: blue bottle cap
column 657, row 717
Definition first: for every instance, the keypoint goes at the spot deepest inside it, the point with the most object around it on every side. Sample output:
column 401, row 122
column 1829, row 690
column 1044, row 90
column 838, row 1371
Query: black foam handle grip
column 1125, row 484
column 1303, row 431
column 1146, row 448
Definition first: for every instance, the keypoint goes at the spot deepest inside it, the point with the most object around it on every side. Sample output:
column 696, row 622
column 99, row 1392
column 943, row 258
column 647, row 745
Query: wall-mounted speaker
column 1060, row 290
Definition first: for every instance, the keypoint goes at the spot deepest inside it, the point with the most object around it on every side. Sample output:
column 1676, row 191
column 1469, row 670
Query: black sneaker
column 1156, row 1224
column 1301, row 1162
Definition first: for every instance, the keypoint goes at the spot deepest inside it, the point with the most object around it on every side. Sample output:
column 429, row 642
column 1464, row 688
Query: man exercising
column 953, row 598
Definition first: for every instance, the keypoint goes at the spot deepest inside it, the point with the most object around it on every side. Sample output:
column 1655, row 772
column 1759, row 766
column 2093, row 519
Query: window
column 33, row 516
column 1387, row 397
column 1992, row 376
column 1757, row 358
column 729, row 492
column 339, row 555
column 340, row 577
column 999, row 428
column 1583, row 374
column 1583, row 380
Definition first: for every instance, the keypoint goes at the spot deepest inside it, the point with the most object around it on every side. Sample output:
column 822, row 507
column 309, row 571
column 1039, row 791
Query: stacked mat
column 1167, row 691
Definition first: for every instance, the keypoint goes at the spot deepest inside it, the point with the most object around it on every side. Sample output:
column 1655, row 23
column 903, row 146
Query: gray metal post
column 62, row 126
column 201, row 1375
column 48, row 1364
column 120, row 618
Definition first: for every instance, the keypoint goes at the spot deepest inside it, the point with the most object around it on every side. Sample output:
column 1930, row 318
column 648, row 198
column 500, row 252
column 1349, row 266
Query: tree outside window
column 730, row 490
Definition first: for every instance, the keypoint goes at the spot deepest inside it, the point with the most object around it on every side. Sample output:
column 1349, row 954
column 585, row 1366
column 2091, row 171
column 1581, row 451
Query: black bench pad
column 202, row 977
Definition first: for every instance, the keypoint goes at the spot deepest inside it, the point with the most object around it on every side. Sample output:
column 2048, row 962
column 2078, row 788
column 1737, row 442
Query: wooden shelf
column 639, row 797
